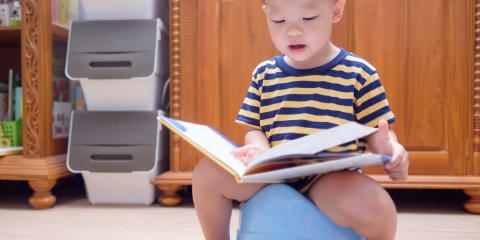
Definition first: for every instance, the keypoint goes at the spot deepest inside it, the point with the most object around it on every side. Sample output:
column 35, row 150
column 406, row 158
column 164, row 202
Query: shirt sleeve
column 371, row 104
column 249, row 114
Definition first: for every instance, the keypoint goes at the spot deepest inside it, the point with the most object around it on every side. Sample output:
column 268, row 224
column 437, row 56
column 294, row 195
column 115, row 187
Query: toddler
column 311, row 86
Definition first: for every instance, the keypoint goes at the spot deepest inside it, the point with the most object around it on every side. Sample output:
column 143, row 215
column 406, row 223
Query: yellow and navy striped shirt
column 288, row 103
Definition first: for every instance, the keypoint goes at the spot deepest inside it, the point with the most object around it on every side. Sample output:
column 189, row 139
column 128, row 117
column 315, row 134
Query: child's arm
column 255, row 143
column 385, row 142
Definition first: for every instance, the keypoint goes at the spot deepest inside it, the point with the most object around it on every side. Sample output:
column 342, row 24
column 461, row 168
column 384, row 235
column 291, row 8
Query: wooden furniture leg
column 42, row 197
column 473, row 204
column 169, row 183
column 170, row 196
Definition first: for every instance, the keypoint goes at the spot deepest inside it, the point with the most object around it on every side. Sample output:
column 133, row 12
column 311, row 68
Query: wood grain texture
column 42, row 197
column 36, row 80
column 476, row 96
column 34, row 51
column 245, row 42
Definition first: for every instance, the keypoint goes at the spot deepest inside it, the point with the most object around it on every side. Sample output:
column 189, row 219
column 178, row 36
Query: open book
column 296, row 158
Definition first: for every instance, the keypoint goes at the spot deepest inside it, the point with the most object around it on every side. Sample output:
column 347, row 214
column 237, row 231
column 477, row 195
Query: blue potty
column 279, row 212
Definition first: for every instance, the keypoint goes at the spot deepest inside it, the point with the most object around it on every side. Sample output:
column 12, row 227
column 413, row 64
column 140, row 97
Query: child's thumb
column 383, row 130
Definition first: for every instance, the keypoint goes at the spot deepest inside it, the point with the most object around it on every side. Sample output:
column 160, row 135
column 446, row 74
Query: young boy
column 311, row 86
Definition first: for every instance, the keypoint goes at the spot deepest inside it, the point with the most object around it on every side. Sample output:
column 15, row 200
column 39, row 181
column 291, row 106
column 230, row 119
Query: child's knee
column 351, row 197
column 201, row 172
column 368, row 199
column 207, row 175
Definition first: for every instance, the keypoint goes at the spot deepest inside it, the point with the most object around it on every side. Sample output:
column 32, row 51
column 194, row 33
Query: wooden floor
column 422, row 215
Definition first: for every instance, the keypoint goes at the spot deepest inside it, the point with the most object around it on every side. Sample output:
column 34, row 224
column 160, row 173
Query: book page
column 208, row 141
column 352, row 161
column 315, row 143
column 295, row 161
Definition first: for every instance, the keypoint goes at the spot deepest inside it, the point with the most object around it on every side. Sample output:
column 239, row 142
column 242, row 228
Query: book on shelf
column 5, row 151
column 4, row 14
column 65, row 11
column 297, row 158
column 10, row 13
column 11, row 97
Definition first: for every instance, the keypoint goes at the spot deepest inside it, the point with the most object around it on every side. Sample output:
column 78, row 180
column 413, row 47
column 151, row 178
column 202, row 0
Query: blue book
column 18, row 103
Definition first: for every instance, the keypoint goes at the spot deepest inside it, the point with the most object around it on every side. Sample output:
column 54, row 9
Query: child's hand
column 248, row 152
column 381, row 142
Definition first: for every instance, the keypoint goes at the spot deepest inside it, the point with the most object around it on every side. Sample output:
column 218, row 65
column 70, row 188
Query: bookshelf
column 59, row 33
column 29, row 48
column 10, row 35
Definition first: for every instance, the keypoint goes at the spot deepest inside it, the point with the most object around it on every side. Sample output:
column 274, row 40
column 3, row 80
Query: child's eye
column 309, row 18
column 278, row 21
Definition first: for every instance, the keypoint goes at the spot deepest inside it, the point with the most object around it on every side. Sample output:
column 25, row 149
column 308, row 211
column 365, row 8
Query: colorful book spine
column 10, row 95
column 18, row 103
column 65, row 11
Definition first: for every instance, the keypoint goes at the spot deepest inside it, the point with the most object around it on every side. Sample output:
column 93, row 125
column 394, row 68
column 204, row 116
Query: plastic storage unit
column 124, row 9
column 122, row 66
column 115, row 152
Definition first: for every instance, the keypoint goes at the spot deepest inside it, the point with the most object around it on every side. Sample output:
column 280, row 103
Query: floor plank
column 423, row 214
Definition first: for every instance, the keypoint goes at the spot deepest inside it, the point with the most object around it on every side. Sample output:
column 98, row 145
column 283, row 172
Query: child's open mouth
column 297, row 47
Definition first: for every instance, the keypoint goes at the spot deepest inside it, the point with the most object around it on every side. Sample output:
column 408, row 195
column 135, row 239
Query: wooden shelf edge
column 59, row 32
column 431, row 182
column 8, row 28
column 10, row 35
column 18, row 167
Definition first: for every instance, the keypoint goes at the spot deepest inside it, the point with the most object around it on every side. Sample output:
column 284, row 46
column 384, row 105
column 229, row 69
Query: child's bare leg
column 354, row 200
column 213, row 192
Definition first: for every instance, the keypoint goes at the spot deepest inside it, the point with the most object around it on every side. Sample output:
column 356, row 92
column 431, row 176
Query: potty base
column 279, row 212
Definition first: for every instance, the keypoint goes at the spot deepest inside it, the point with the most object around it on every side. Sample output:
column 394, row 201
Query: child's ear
column 338, row 10
column 264, row 7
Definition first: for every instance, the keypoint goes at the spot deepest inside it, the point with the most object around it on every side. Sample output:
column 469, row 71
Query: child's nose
column 294, row 31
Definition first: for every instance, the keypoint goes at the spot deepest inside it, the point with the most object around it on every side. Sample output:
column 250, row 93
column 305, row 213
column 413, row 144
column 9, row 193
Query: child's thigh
column 209, row 178
column 347, row 197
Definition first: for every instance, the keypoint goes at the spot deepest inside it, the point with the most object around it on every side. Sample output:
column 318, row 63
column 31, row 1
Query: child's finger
column 383, row 129
column 241, row 151
column 248, row 157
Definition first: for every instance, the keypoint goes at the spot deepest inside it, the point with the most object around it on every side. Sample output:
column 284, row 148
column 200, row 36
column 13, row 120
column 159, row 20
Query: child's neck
column 324, row 56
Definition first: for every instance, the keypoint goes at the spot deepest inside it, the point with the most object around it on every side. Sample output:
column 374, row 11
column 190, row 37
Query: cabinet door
column 423, row 51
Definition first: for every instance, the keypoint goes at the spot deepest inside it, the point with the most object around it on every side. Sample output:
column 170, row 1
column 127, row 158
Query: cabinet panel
column 244, row 43
column 427, row 74
column 407, row 41
column 412, row 43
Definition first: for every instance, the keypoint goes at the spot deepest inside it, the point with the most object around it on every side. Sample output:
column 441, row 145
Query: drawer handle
column 111, row 64
column 111, row 157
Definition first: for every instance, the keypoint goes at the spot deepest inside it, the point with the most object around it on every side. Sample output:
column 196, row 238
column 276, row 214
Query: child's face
column 301, row 29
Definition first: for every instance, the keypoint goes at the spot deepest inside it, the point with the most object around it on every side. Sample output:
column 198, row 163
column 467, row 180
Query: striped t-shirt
column 287, row 103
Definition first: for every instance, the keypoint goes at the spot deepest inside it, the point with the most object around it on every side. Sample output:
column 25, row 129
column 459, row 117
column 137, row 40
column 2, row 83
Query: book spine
column 18, row 103
column 54, row 11
column 10, row 95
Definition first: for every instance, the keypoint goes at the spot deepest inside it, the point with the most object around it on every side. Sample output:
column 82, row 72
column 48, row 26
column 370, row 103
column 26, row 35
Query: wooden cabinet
column 43, row 159
column 425, row 51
